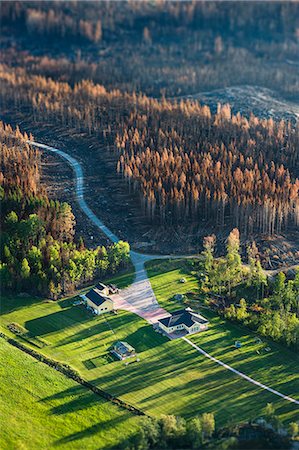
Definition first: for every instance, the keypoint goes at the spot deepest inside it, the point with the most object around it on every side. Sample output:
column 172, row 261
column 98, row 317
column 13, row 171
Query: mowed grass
column 277, row 368
column 165, row 276
column 171, row 377
column 42, row 409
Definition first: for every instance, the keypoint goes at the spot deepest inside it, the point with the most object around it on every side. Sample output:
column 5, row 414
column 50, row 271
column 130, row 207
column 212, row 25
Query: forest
column 172, row 48
column 246, row 295
column 187, row 164
column 40, row 252
column 172, row 432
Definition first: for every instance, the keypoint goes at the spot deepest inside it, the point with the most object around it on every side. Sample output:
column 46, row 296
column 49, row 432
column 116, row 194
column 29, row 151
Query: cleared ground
column 171, row 376
column 41, row 409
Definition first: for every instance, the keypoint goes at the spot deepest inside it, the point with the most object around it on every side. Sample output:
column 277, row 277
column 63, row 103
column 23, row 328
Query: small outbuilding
column 123, row 350
column 179, row 297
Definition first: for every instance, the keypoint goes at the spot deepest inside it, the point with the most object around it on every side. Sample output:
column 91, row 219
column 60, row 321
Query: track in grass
column 240, row 374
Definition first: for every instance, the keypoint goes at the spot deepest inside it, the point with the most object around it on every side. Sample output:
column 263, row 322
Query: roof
column 123, row 347
column 101, row 287
column 96, row 297
column 183, row 317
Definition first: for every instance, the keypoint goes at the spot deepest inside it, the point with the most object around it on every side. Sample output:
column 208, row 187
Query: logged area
column 158, row 161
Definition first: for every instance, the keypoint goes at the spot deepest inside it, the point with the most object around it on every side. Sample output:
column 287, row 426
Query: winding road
column 139, row 298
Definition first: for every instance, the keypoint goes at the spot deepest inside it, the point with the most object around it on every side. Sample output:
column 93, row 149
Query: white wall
column 103, row 308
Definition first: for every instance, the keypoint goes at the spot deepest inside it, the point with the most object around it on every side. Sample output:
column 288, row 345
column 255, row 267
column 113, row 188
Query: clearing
column 171, row 377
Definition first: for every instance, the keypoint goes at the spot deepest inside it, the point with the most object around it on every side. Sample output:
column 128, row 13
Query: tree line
column 187, row 163
column 39, row 253
column 200, row 432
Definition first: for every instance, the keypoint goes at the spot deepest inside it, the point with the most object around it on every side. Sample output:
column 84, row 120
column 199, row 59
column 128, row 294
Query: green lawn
column 122, row 279
column 165, row 276
column 171, row 377
column 42, row 409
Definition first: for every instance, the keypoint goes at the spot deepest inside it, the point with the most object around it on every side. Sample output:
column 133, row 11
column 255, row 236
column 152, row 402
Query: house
column 183, row 320
column 123, row 350
column 103, row 289
column 98, row 300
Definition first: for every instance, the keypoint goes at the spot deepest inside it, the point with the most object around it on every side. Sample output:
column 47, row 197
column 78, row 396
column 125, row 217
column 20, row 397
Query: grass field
column 42, row 409
column 165, row 276
column 171, row 377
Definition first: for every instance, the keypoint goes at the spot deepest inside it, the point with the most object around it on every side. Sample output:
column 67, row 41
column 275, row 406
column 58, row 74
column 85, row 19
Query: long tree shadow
column 103, row 426
column 75, row 390
column 10, row 304
column 85, row 333
column 56, row 321
column 79, row 402
column 143, row 340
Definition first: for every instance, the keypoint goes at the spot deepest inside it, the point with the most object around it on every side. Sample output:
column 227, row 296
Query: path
column 139, row 298
column 241, row 374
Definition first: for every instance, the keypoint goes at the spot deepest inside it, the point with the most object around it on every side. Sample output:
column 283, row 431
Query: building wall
column 103, row 308
column 171, row 329
column 196, row 328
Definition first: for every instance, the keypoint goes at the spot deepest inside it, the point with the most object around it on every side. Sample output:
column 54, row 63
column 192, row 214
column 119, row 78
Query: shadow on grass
column 122, row 279
column 77, row 399
column 9, row 304
column 70, row 392
column 95, row 329
column 79, row 402
column 56, row 321
column 142, row 339
column 103, row 426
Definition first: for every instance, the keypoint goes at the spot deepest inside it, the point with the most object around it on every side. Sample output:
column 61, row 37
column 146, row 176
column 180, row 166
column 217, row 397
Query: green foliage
column 294, row 429
column 194, row 427
column 276, row 316
column 269, row 411
column 172, row 432
column 208, row 424
column 208, row 252
column 25, row 269
column 38, row 253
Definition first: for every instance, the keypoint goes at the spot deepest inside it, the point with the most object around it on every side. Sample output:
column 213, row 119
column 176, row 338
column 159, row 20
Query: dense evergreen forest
column 188, row 164
column 38, row 251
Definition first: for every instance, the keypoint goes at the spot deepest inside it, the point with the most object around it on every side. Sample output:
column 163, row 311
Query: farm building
column 183, row 320
column 123, row 350
column 97, row 300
